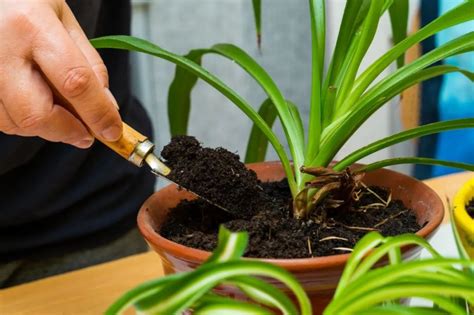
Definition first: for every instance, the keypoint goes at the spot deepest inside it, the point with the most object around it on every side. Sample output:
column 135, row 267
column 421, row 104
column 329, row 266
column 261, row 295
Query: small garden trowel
column 137, row 149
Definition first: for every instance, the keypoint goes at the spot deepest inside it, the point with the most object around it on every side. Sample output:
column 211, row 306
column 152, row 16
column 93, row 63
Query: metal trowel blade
column 162, row 170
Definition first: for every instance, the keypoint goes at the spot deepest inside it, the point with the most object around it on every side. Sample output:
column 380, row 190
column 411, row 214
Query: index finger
column 65, row 67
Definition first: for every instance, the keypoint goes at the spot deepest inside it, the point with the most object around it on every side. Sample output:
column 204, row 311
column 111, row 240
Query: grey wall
column 181, row 25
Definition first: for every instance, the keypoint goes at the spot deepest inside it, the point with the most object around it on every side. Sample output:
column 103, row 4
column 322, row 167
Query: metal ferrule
column 140, row 153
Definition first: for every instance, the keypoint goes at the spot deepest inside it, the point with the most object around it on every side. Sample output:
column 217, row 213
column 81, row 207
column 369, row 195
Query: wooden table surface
column 91, row 290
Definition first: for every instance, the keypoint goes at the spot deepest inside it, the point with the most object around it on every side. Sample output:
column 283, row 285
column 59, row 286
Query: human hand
column 43, row 49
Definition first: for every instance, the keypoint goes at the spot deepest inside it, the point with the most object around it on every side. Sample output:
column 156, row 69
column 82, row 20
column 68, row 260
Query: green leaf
column 207, row 276
column 295, row 114
column 291, row 129
column 460, row 14
column 294, row 137
column 364, row 37
column 179, row 95
column 401, row 310
column 318, row 46
column 414, row 160
column 389, row 244
column 230, row 246
column 318, row 31
column 257, row 13
column 401, row 290
column 143, row 290
column 363, row 246
column 354, row 12
column 368, row 289
column 395, row 256
column 217, row 305
column 403, row 136
column 399, row 21
column 194, row 286
column 258, row 142
column 340, row 130
column 329, row 105
column 396, row 87
column 265, row 294
column 444, row 275
column 456, row 46
column 135, row 44
column 394, row 282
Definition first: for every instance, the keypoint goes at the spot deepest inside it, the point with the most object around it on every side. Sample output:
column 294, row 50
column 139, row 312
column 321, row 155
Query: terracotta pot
column 319, row 276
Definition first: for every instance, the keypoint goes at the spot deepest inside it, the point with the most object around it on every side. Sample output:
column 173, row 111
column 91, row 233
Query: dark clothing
column 53, row 194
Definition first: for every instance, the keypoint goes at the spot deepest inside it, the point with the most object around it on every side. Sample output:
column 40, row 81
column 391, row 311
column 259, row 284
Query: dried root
column 385, row 202
column 310, row 248
column 346, row 249
column 359, row 228
column 330, row 238
column 343, row 188
column 390, row 218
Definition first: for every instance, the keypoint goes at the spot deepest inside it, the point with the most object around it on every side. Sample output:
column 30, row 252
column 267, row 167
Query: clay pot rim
column 145, row 224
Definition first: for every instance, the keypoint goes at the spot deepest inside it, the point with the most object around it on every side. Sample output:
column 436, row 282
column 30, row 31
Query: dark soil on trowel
column 470, row 208
column 214, row 174
column 264, row 209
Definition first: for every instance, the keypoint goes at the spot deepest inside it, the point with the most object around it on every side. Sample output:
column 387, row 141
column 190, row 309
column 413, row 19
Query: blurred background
column 182, row 25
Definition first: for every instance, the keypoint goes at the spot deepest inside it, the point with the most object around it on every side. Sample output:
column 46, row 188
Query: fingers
column 27, row 109
column 70, row 72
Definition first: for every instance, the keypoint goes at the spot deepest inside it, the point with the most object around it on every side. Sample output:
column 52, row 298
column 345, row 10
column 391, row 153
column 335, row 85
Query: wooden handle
column 126, row 145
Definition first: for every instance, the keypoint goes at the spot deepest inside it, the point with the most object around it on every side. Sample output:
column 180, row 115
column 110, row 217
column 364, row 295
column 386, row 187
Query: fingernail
column 84, row 143
column 112, row 133
column 112, row 98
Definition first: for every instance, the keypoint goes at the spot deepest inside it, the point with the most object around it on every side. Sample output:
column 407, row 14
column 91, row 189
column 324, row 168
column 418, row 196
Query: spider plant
column 361, row 290
column 447, row 282
column 342, row 98
column 224, row 267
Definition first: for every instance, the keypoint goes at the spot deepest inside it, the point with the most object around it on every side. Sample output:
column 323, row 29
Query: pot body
column 319, row 276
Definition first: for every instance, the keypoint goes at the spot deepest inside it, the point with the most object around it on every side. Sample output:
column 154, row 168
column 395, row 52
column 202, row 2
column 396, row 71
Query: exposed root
column 360, row 228
column 390, row 218
column 375, row 205
column 347, row 249
column 309, row 247
column 389, row 198
column 341, row 186
column 357, row 194
column 385, row 202
column 329, row 238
